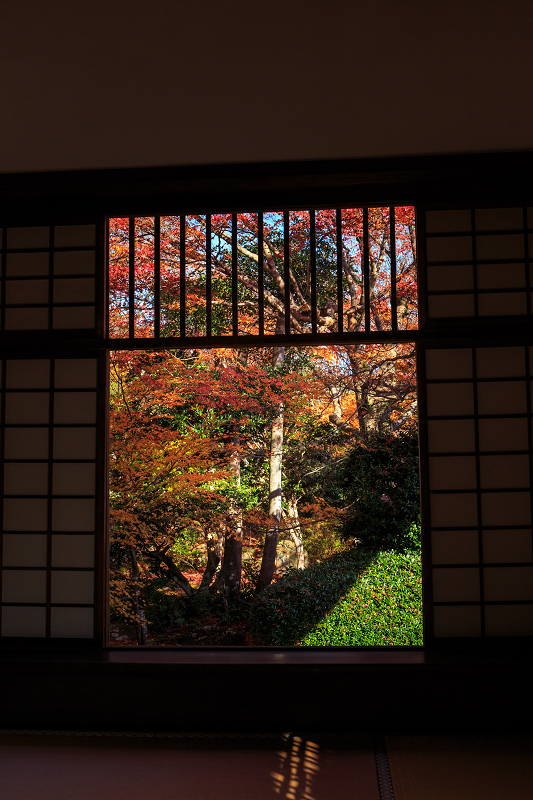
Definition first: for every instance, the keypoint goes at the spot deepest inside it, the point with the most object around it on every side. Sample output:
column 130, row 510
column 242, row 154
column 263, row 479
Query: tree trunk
column 142, row 627
column 231, row 572
column 215, row 552
column 361, row 398
column 266, row 572
column 295, row 532
column 160, row 556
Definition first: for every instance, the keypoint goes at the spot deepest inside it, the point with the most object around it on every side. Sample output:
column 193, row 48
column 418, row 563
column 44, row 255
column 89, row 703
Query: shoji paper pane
column 477, row 264
column 49, row 499
column 49, row 278
column 479, row 479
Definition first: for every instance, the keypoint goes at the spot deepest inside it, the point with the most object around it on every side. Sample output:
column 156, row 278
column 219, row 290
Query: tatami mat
column 67, row 767
column 461, row 767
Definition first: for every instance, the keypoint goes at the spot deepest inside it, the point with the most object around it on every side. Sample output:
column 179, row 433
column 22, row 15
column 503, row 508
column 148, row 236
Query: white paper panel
column 31, row 373
column 73, row 290
column 24, row 621
column 457, row 584
column 72, row 587
column 75, row 373
column 26, row 319
column 455, row 277
column 73, row 515
column 454, row 547
column 27, row 264
column 72, row 623
column 27, row 292
column 452, row 472
column 450, row 399
column 493, row 219
column 504, row 472
column 448, row 221
column 451, row 621
column 24, row 549
column 23, row 586
column 453, row 510
column 27, row 443
column 506, row 508
column 449, row 363
column 501, row 276
column 70, row 550
column 502, row 397
column 507, row 546
column 500, row 246
column 26, row 407
column 71, row 408
column 74, row 443
column 450, row 248
column 25, row 515
column 28, row 237
column 503, row 434
column 76, row 318
column 500, row 362
column 451, row 436
column 441, row 306
column 74, row 262
column 76, row 479
column 508, row 583
column 514, row 620
column 509, row 304
column 74, row 235
column 26, row 479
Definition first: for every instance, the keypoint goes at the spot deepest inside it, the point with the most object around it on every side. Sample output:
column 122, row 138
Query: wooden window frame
column 463, row 181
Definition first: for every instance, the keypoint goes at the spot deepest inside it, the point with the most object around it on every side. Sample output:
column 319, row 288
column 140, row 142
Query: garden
column 262, row 496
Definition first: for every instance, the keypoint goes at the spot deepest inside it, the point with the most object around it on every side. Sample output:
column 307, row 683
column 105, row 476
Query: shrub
column 383, row 608
column 322, row 540
column 381, row 486
column 164, row 609
column 286, row 610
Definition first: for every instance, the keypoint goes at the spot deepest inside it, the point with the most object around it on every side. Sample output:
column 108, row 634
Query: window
column 198, row 278
column 472, row 339
column 324, row 316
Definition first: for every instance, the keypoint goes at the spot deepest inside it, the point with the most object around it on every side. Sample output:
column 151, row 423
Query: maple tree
column 180, row 429
column 193, row 429
column 161, row 486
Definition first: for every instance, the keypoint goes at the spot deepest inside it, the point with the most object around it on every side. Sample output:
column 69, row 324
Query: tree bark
column 160, row 556
column 295, row 532
column 268, row 560
column 142, row 627
column 231, row 572
column 230, row 575
column 215, row 552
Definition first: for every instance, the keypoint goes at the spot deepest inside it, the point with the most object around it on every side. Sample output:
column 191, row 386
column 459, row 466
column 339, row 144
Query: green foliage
column 185, row 551
column 322, row 540
column 355, row 598
column 383, row 608
column 381, row 488
column 167, row 610
column 163, row 609
column 286, row 610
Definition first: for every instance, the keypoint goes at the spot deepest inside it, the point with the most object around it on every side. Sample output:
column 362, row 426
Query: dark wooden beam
column 469, row 179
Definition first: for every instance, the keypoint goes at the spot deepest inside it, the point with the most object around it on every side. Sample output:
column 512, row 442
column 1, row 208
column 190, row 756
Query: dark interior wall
column 110, row 83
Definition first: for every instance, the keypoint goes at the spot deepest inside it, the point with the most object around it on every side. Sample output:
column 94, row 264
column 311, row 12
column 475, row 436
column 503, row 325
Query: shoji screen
column 476, row 428
column 50, row 441
column 49, row 278
column 478, row 263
